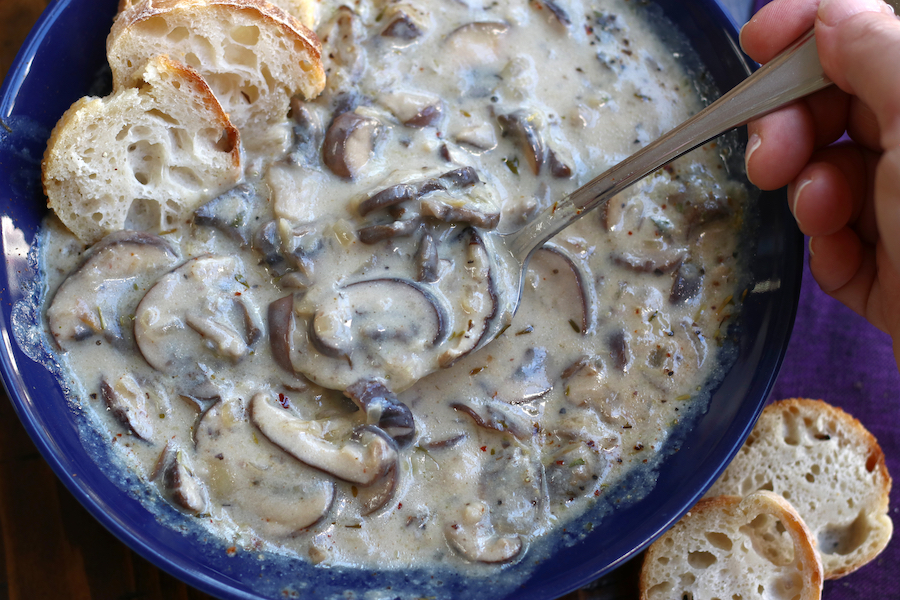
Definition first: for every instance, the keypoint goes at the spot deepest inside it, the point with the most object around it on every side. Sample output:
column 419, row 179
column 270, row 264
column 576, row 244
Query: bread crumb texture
column 829, row 467
column 253, row 55
column 143, row 157
column 732, row 548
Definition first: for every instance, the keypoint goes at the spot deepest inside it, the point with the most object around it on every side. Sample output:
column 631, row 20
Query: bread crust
column 268, row 13
column 830, row 467
column 254, row 56
column 305, row 11
column 87, row 173
column 715, row 549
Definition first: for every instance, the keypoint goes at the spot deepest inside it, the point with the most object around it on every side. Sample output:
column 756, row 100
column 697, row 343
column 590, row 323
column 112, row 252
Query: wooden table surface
column 51, row 547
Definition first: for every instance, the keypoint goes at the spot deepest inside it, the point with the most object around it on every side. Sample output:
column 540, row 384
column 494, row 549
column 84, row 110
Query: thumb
column 859, row 42
column 859, row 46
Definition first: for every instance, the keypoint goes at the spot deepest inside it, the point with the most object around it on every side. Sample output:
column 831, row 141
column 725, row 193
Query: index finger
column 776, row 25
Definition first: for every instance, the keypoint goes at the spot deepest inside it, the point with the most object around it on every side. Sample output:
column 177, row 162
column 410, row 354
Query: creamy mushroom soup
column 294, row 362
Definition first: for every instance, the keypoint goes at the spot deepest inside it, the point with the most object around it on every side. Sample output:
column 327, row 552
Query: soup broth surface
column 293, row 363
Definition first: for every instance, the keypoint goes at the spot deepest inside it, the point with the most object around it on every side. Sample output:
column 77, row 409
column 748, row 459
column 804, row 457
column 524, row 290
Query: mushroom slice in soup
column 474, row 537
column 371, row 329
column 362, row 459
column 497, row 416
column 350, row 143
column 512, row 484
column 528, row 380
column 405, row 23
column 478, row 304
column 194, row 314
column 178, row 483
column 99, row 297
column 686, row 284
column 129, row 404
column 475, row 44
column 370, row 499
column 522, row 126
column 229, row 213
column 560, row 270
column 575, row 472
column 591, row 386
column 342, row 42
column 414, row 109
column 268, row 489
column 555, row 13
column 383, row 409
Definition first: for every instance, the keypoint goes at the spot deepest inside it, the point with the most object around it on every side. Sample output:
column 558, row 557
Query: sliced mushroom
column 514, row 466
column 479, row 303
column 460, row 197
column 342, row 42
column 405, row 23
column 388, row 197
column 529, row 380
column 99, row 297
column 281, row 324
column 178, row 483
column 587, row 385
column 307, row 132
column 497, row 416
column 558, row 168
column 574, row 470
column 474, row 537
column 556, row 13
column 287, row 249
column 373, row 498
column 378, row 233
column 427, row 260
column 194, row 314
column 457, row 179
column 413, row 109
column 229, row 213
column 617, row 342
column 480, row 138
column 700, row 209
column 363, row 459
column 562, row 272
column 267, row 489
column 129, row 404
column 369, row 330
column 267, row 243
column 686, row 284
column 521, row 125
column 383, row 409
column 350, row 143
column 651, row 260
column 475, row 44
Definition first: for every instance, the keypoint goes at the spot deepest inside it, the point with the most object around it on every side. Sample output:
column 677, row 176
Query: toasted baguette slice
column 305, row 11
column 729, row 547
column 144, row 156
column 252, row 54
column 829, row 467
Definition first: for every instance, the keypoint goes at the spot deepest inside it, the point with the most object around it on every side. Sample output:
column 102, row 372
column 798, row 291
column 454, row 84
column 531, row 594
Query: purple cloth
column 836, row 356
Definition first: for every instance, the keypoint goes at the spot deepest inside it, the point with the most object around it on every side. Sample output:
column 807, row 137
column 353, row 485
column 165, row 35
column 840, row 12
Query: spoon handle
column 794, row 73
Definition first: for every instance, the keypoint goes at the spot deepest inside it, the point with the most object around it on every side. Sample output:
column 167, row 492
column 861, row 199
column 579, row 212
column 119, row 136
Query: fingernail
column 752, row 145
column 832, row 12
column 809, row 245
column 796, row 198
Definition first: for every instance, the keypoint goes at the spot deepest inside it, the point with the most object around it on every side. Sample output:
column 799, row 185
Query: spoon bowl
column 796, row 72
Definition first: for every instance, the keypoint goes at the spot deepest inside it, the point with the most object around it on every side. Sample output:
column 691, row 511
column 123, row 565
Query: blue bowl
column 64, row 59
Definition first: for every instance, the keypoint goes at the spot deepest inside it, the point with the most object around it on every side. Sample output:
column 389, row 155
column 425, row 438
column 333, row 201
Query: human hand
column 846, row 197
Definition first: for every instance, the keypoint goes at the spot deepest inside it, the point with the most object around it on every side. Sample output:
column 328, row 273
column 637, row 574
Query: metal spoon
column 793, row 74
